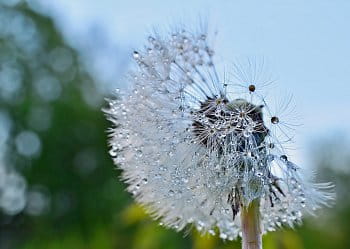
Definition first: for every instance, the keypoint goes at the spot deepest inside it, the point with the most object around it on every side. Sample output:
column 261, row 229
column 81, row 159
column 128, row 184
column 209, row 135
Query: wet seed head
column 218, row 119
column 193, row 151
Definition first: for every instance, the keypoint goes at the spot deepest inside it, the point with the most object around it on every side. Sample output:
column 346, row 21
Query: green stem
column 251, row 227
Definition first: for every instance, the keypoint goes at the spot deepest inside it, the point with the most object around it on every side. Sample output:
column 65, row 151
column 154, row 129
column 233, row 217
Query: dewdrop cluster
column 195, row 149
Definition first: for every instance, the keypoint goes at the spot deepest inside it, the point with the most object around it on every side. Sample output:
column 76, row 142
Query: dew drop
column 223, row 236
column 250, row 128
column 284, row 158
column 293, row 181
column 136, row 55
column 139, row 153
column 269, row 158
column 246, row 133
column 275, row 120
column 113, row 152
column 259, row 174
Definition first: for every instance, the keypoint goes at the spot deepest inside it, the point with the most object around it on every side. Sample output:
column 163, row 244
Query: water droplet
column 136, row 55
column 284, row 158
column 275, row 120
column 250, row 128
column 246, row 133
column 259, row 173
column 270, row 158
column 139, row 153
column 223, row 236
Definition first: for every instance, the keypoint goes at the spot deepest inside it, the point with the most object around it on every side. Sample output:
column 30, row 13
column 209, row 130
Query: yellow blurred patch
column 287, row 239
column 205, row 241
column 291, row 240
column 133, row 214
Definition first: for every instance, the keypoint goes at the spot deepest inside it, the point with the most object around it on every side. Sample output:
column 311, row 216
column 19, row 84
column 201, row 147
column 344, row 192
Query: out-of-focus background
column 60, row 58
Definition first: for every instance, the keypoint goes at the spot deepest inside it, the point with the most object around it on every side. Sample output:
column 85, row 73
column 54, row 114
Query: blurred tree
column 56, row 141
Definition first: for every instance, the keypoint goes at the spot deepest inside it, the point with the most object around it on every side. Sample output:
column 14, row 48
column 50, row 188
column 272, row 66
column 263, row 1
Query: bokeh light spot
column 48, row 88
column 28, row 143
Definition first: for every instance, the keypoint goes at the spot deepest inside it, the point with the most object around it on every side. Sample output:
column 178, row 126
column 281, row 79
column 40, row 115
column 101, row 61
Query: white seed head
column 193, row 154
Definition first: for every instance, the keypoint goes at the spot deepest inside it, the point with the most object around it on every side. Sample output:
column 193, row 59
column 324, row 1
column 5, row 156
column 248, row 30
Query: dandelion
column 196, row 151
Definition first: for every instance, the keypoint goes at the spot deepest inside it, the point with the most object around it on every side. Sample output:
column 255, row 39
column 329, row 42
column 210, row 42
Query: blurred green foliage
column 87, row 206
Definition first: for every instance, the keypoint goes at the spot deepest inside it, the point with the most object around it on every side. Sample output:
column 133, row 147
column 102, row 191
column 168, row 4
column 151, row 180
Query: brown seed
column 251, row 88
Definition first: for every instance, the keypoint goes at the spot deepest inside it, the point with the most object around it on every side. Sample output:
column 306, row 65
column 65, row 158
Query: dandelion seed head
column 193, row 150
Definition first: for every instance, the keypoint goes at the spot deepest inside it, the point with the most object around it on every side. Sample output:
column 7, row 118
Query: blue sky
column 306, row 44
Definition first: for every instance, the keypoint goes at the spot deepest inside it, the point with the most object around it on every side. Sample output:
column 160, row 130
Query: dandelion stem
column 251, row 227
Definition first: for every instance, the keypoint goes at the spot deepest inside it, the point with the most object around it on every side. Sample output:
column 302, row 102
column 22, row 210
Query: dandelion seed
column 192, row 154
